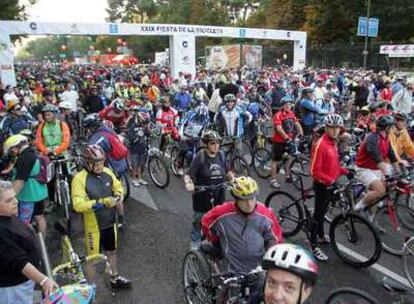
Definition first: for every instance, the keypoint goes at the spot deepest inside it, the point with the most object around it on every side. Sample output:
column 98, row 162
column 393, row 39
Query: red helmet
column 93, row 153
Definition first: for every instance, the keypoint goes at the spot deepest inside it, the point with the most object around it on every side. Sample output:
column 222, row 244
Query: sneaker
column 143, row 182
column 136, row 183
column 195, row 245
column 319, row 254
column 324, row 240
column 180, row 171
column 274, row 183
column 122, row 224
column 118, row 281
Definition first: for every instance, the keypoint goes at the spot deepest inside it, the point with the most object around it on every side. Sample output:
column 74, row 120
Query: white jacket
column 215, row 101
column 402, row 101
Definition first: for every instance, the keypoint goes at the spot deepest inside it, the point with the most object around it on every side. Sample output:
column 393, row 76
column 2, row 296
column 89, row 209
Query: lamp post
column 365, row 52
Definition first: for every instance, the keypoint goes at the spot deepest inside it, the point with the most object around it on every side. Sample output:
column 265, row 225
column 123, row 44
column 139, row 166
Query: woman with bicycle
column 95, row 193
column 325, row 170
column 208, row 169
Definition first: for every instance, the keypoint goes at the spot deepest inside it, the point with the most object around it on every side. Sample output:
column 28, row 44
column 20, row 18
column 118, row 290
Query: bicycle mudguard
column 70, row 294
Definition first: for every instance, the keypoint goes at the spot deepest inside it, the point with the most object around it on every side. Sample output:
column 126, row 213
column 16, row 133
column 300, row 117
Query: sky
column 67, row 10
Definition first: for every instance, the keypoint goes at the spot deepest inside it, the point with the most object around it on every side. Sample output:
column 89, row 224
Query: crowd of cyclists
column 107, row 116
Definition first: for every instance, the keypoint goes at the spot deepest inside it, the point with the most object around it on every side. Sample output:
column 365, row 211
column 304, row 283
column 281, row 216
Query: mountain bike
column 157, row 168
column 74, row 287
column 347, row 229
column 203, row 283
column 184, row 161
column 233, row 147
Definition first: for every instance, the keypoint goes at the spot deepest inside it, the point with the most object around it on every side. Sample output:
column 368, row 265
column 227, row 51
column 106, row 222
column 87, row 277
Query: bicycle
column 234, row 156
column 157, row 168
column 74, row 287
column 347, row 227
column 203, row 283
column 184, row 161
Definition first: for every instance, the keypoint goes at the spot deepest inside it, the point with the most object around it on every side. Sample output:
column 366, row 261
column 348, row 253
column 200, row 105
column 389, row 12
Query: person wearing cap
column 286, row 126
column 20, row 257
column 29, row 192
column 291, row 274
column 241, row 231
column 14, row 121
column 94, row 101
column 308, row 110
column 275, row 95
column 182, row 100
column 70, row 96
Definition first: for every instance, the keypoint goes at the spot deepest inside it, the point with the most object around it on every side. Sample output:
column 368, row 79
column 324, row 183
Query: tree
column 11, row 10
column 134, row 11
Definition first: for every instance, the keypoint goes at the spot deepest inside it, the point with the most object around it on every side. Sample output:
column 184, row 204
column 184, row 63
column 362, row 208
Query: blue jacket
column 308, row 110
column 182, row 101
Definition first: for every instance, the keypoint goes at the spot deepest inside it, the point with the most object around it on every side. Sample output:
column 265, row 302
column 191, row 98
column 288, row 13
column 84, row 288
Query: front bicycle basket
column 76, row 293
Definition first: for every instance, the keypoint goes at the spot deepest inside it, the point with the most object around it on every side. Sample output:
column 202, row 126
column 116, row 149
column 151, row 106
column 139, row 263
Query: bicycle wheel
column 393, row 236
column 247, row 152
column 196, row 278
column 349, row 295
column 174, row 160
column 158, row 172
column 355, row 240
column 408, row 261
column 125, row 185
column 288, row 211
column 261, row 162
column 239, row 166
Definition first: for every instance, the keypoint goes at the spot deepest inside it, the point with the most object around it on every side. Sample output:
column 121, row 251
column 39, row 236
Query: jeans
column 18, row 294
column 196, row 229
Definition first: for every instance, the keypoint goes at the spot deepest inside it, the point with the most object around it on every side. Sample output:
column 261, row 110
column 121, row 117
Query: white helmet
column 333, row 120
column 291, row 258
column 65, row 105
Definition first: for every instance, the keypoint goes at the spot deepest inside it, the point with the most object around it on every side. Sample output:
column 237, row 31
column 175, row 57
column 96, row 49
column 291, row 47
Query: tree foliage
column 12, row 10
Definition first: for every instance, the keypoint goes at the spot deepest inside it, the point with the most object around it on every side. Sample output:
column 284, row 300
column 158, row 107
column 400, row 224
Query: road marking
column 376, row 266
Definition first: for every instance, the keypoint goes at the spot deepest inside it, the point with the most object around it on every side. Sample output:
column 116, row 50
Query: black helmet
column 385, row 121
column 92, row 121
column 211, row 135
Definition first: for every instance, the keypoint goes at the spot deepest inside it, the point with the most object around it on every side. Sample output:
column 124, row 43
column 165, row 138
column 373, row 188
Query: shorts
column 278, row 149
column 102, row 240
column 368, row 176
column 138, row 159
column 22, row 293
column 28, row 210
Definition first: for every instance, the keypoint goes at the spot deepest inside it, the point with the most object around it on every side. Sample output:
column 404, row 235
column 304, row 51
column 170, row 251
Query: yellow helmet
column 11, row 104
column 244, row 187
column 13, row 141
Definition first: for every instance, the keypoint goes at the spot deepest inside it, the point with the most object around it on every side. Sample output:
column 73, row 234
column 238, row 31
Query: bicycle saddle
column 393, row 285
column 61, row 226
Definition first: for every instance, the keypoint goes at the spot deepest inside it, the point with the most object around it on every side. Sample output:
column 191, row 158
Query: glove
column 109, row 201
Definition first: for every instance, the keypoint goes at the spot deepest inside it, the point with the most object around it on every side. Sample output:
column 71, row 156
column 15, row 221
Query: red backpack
column 118, row 149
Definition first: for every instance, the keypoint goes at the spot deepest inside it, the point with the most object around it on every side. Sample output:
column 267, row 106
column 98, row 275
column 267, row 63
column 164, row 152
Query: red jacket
column 325, row 165
column 287, row 120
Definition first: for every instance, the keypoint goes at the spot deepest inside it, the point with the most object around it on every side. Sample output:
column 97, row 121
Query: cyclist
column 284, row 123
column 209, row 168
column 95, row 193
column 243, row 229
column 400, row 139
column 116, row 113
column 291, row 273
column 182, row 101
column 232, row 118
column 52, row 135
column 373, row 162
column 308, row 110
column 29, row 192
column 325, row 170
column 167, row 118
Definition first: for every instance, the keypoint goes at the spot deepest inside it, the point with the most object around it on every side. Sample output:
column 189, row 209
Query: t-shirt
column 205, row 171
column 18, row 247
column 287, row 120
column 72, row 98
column 27, row 168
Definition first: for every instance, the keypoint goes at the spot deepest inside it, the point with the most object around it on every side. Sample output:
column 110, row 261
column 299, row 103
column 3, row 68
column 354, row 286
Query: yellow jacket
column 402, row 143
column 84, row 204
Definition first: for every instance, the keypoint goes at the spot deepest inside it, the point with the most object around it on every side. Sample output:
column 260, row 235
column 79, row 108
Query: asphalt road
column 151, row 251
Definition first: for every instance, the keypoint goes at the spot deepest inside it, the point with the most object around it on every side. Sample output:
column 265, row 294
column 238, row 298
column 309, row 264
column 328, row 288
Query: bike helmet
column 211, row 135
column 385, row 121
column 400, row 116
column 229, row 97
column 92, row 121
column 286, row 99
column 17, row 140
column 333, row 120
column 118, row 104
column 373, row 106
column 12, row 104
column 93, row 153
column 365, row 110
column 293, row 259
column 49, row 108
column 65, row 105
column 244, row 187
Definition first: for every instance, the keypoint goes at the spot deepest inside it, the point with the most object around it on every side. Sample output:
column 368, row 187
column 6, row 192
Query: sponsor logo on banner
column 186, row 59
column 288, row 34
column 74, row 28
column 5, row 67
column 242, row 32
column 185, row 44
column 113, row 28
column 33, row 26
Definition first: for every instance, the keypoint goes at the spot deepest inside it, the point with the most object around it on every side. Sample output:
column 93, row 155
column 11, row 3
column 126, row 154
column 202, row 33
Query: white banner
column 7, row 76
column 398, row 50
column 183, row 54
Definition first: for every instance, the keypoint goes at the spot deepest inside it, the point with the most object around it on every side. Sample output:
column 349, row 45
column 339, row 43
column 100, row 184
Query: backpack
column 45, row 173
column 118, row 149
